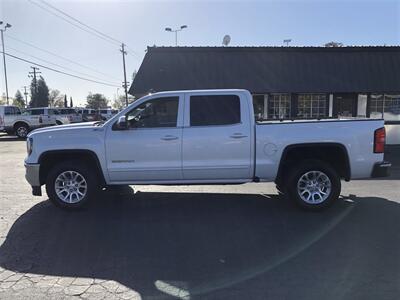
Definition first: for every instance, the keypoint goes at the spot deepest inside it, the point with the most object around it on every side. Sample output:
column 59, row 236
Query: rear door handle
column 238, row 135
column 169, row 138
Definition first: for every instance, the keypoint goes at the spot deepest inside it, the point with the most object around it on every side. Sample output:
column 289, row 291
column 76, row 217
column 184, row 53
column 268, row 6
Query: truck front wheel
column 21, row 130
column 313, row 184
column 71, row 184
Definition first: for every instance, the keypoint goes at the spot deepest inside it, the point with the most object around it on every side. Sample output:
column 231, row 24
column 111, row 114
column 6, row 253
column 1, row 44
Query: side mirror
column 121, row 123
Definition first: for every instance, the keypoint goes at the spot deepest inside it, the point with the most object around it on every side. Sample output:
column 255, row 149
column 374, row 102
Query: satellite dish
column 226, row 40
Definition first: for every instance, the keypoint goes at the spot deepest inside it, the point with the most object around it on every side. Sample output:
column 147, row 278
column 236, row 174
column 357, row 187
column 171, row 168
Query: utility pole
column 4, row 55
column 35, row 72
column 26, row 95
column 125, row 84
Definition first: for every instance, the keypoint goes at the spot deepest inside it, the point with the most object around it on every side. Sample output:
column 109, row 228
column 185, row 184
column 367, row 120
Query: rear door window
column 212, row 110
column 37, row 112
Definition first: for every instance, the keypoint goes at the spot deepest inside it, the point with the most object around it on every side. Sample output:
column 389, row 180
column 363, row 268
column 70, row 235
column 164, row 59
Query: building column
column 265, row 106
column 330, row 112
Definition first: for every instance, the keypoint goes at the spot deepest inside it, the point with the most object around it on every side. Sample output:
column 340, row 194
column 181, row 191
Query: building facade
column 286, row 82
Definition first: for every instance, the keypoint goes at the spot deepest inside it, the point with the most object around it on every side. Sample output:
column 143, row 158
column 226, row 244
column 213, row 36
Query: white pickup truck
column 203, row 137
column 12, row 121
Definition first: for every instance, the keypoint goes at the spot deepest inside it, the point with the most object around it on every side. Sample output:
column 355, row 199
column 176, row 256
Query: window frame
column 379, row 111
column 187, row 120
column 271, row 98
column 179, row 121
column 324, row 109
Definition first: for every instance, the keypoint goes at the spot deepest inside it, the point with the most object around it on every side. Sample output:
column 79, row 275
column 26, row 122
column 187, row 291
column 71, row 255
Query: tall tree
column 40, row 93
column 19, row 100
column 96, row 101
column 56, row 99
column 333, row 44
column 71, row 104
column 65, row 101
column 119, row 103
column 3, row 99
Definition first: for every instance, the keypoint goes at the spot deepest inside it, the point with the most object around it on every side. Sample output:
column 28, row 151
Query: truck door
column 216, row 137
column 151, row 148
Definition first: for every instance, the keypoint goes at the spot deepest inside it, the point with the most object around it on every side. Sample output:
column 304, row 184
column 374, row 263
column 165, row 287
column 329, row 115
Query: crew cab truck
column 203, row 137
column 12, row 121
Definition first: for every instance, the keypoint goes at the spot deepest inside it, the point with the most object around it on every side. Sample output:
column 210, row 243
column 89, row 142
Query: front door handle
column 169, row 138
column 238, row 135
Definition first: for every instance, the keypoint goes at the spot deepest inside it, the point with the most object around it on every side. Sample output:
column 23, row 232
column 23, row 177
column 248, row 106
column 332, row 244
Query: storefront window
column 387, row 106
column 279, row 106
column 312, row 106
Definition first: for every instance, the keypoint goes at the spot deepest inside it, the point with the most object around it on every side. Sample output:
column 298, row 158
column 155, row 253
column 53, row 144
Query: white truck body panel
column 273, row 138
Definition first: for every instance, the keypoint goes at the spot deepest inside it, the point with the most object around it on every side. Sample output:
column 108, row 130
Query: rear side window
column 11, row 110
column 214, row 110
column 37, row 112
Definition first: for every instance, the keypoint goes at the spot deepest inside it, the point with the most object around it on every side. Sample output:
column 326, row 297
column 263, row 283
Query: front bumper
column 32, row 176
column 381, row 169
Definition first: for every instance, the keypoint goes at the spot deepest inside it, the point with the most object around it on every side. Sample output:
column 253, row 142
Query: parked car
column 204, row 137
column 88, row 114
column 107, row 113
column 71, row 114
column 13, row 121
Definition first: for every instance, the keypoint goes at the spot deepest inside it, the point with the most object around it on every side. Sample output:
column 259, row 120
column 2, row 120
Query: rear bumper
column 32, row 176
column 381, row 169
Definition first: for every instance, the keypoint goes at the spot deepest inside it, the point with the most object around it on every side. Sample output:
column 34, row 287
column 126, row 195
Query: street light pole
column 176, row 32
column 4, row 56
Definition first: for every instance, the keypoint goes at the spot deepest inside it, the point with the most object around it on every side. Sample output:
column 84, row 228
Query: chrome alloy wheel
column 314, row 187
column 70, row 187
column 22, row 131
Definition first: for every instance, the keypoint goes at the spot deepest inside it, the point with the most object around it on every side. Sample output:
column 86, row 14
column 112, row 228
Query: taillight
column 40, row 120
column 379, row 140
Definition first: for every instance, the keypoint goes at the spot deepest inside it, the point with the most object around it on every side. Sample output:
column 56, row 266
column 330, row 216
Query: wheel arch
column 48, row 158
column 21, row 122
column 333, row 151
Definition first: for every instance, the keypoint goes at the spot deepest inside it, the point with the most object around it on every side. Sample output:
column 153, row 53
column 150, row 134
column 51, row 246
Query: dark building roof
column 270, row 69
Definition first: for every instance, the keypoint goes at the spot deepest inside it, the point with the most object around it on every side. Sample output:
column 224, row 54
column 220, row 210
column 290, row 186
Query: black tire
column 21, row 130
column 305, row 167
column 58, row 122
column 84, row 171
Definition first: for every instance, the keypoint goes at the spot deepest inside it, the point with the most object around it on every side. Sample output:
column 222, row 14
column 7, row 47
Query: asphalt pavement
column 199, row 242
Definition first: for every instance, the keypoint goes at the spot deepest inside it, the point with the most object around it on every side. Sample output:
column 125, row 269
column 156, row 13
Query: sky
column 142, row 23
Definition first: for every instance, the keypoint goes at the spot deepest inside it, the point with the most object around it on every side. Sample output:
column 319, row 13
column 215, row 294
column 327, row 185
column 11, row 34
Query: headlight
column 29, row 145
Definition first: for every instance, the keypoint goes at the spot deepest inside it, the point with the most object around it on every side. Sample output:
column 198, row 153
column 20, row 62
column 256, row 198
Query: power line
column 91, row 30
column 76, row 20
column 61, row 57
column 58, row 71
column 73, row 24
column 54, row 64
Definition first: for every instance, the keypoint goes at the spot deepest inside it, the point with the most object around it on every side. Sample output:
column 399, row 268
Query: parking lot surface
column 201, row 242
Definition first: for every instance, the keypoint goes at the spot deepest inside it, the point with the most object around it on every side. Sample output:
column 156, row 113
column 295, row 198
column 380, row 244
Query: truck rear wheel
column 313, row 185
column 71, row 184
